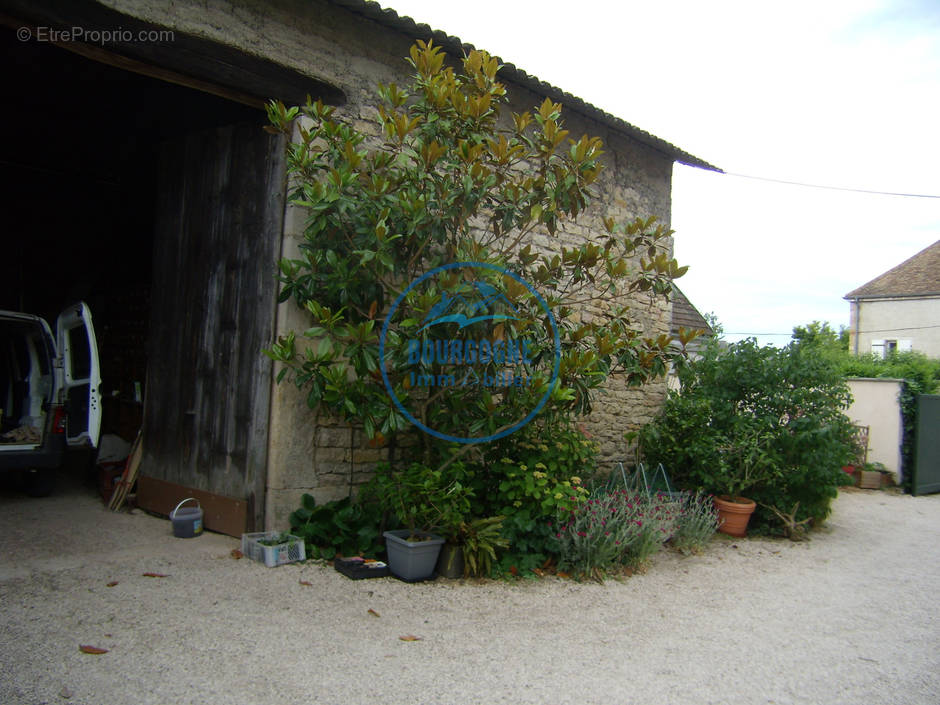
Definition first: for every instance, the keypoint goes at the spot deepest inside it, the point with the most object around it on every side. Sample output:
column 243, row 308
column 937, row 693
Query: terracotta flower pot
column 869, row 479
column 734, row 514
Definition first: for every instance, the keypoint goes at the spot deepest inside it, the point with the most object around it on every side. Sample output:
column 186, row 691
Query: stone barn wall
column 341, row 47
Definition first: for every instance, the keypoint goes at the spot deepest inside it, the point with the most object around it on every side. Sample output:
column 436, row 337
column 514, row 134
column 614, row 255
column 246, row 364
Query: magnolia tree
column 430, row 306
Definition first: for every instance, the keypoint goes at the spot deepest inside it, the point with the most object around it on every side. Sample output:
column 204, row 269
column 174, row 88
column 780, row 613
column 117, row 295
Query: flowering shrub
column 614, row 529
column 696, row 522
column 536, row 486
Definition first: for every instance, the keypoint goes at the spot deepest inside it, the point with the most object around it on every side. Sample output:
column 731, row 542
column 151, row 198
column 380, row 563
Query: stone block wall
column 636, row 182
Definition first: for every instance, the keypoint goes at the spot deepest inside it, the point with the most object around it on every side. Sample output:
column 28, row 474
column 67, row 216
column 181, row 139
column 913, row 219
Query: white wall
column 914, row 320
column 877, row 405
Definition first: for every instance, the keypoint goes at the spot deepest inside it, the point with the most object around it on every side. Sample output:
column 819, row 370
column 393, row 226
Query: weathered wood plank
column 218, row 238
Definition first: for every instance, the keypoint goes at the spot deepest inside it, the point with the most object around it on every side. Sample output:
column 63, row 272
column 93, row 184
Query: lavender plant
column 696, row 522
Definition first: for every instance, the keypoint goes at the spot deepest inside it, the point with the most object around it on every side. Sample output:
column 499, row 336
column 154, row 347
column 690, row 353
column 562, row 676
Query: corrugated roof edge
column 373, row 11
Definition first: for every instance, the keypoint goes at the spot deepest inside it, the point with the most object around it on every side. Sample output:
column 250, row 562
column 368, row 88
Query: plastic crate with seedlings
column 273, row 548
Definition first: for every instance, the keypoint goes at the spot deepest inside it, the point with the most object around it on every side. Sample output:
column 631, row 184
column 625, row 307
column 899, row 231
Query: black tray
column 357, row 568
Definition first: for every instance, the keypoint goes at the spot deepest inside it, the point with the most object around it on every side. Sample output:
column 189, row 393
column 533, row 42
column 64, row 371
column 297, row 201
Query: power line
column 892, row 330
column 831, row 188
column 883, row 330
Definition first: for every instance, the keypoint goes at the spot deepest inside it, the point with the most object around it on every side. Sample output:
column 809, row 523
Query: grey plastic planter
column 412, row 560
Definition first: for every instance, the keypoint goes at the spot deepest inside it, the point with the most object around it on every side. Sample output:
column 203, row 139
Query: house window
column 884, row 348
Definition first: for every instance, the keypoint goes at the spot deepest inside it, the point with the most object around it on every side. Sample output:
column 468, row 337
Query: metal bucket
column 187, row 521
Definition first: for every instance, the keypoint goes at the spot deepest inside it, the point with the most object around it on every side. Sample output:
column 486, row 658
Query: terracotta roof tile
column 685, row 315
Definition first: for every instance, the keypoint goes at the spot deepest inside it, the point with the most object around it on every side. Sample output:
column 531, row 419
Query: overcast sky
column 841, row 93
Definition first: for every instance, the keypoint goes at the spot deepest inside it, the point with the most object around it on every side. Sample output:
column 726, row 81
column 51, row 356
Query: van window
column 80, row 353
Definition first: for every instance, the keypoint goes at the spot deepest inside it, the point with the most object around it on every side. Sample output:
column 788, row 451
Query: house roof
column 917, row 276
column 406, row 25
column 685, row 315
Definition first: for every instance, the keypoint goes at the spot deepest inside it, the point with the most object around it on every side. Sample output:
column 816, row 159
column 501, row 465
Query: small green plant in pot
column 744, row 461
column 423, row 499
column 481, row 538
column 744, row 464
column 453, row 523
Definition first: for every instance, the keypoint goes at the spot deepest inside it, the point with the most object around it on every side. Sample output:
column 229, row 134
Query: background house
column 899, row 310
column 140, row 179
column 685, row 315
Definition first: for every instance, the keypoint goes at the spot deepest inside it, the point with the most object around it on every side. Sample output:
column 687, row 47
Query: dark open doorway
column 78, row 173
column 95, row 173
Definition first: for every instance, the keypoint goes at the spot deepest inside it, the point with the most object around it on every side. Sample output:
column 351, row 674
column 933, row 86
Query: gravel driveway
column 848, row 617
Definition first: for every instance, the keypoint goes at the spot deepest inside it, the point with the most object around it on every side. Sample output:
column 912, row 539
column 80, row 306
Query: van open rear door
column 75, row 337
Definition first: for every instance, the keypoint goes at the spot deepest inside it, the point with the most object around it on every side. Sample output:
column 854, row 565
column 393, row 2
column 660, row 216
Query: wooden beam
column 122, row 62
column 225, row 515
column 180, row 58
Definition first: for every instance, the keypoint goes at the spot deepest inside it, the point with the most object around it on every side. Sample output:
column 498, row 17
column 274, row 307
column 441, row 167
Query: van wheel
column 39, row 482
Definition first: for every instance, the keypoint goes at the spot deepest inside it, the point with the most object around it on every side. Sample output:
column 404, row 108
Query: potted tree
column 743, row 464
column 423, row 499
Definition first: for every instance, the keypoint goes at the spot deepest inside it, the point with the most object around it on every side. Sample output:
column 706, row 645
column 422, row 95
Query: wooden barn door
column 218, row 234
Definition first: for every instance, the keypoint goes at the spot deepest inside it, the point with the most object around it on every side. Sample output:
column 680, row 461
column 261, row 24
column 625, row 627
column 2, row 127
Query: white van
column 50, row 397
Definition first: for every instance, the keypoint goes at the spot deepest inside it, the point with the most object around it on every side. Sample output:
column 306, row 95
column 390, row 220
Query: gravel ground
column 845, row 618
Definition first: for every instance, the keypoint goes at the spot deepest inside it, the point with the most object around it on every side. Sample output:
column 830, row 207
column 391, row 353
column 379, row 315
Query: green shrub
column 921, row 375
column 531, row 478
column 342, row 527
column 457, row 178
column 762, row 420
column 423, row 499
